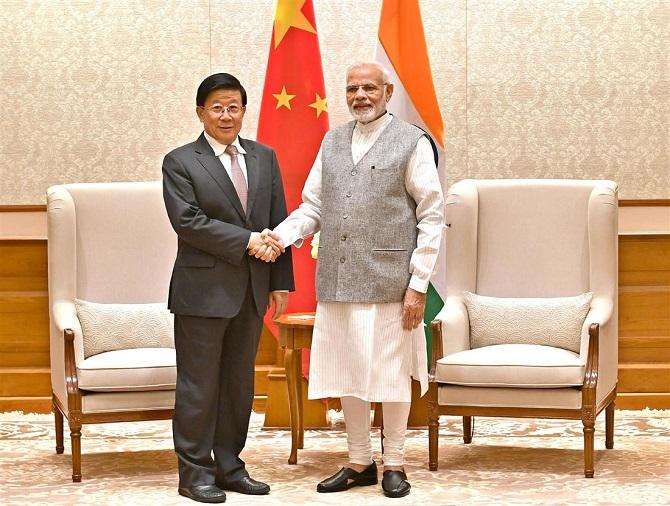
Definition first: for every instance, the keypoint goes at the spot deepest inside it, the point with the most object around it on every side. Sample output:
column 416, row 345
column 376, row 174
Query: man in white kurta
column 368, row 352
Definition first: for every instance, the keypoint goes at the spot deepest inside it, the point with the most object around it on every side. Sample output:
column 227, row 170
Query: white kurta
column 361, row 349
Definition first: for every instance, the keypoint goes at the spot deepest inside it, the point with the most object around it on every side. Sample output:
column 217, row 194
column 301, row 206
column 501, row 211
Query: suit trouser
column 214, row 393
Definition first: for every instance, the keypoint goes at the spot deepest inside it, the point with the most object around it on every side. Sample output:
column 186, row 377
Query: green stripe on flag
column 434, row 304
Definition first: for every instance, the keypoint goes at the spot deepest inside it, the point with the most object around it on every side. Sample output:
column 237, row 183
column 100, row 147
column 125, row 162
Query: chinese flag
column 294, row 119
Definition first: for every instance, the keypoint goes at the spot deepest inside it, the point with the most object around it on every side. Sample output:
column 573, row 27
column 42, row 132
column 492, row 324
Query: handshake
column 265, row 245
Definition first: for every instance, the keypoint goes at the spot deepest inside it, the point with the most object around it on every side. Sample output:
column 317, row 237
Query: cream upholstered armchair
column 111, row 250
column 529, row 326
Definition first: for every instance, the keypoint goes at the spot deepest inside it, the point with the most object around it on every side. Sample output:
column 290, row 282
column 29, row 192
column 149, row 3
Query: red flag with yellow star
column 294, row 119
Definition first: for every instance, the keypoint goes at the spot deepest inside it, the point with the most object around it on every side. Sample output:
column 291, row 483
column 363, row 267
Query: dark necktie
column 237, row 176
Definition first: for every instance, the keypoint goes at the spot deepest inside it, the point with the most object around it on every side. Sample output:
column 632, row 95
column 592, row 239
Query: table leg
column 292, row 382
column 301, row 412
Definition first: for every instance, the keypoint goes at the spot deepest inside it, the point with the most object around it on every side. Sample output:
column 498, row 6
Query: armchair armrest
column 71, row 379
column 600, row 314
column 591, row 374
column 591, row 370
column 67, row 325
column 437, row 353
column 455, row 326
column 64, row 316
column 602, row 375
column 451, row 332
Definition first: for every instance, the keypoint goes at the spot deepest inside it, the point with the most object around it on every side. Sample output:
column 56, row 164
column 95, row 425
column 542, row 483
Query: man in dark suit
column 220, row 192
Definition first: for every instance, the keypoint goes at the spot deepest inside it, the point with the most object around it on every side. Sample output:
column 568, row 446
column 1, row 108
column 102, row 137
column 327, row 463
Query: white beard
column 364, row 117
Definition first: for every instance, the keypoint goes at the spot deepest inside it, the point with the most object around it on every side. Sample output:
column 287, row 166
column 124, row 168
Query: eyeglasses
column 218, row 110
column 368, row 89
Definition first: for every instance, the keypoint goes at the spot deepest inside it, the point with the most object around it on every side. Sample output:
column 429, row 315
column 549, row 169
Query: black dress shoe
column 203, row 493
column 395, row 484
column 247, row 485
column 346, row 478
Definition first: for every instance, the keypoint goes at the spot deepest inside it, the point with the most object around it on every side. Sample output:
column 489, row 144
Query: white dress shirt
column 219, row 152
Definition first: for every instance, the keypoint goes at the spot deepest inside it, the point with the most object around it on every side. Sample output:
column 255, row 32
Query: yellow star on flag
column 289, row 14
column 321, row 104
column 283, row 98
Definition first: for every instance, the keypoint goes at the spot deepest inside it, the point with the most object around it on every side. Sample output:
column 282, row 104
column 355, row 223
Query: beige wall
column 101, row 90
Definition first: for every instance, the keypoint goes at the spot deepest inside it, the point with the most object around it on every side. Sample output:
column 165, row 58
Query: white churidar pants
column 357, row 419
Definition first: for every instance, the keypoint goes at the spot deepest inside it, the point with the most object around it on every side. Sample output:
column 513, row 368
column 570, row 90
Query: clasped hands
column 265, row 245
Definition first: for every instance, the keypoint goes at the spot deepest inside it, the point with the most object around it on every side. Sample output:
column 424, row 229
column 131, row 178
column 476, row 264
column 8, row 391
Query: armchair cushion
column 132, row 370
column 512, row 365
column 110, row 327
column 555, row 321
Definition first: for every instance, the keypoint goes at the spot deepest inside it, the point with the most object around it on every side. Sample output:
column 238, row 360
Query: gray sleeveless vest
column 368, row 220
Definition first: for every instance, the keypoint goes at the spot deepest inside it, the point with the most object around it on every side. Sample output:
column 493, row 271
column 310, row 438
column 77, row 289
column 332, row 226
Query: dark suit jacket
column 212, row 269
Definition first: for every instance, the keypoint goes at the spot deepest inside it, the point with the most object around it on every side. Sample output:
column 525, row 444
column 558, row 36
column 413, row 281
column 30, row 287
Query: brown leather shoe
column 203, row 493
column 346, row 478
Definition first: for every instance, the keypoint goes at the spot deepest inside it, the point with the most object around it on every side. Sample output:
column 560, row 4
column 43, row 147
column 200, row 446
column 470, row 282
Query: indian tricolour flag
column 401, row 49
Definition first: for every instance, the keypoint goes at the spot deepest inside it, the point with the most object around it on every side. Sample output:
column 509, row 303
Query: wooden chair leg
column 589, row 430
column 433, row 427
column 58, row 416
column 75, row 441
column 609, row 426
column 381, row 427
column 467, row 429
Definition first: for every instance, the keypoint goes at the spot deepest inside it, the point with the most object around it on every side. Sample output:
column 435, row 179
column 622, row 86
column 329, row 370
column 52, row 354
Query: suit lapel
column 253, row 172
column 215, row 168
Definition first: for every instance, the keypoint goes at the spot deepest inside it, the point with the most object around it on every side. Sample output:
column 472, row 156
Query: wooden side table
column 295, row 333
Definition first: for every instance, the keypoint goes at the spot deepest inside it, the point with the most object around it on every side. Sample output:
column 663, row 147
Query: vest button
column 353, row 172
column 345, row 216
column 349, row 195
column 343, row 238
column 342, row 260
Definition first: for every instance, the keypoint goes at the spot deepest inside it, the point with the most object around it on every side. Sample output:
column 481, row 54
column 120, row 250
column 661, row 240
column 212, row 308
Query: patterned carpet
column 523, row 462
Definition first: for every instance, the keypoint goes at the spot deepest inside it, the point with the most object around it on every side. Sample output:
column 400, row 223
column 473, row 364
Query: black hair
column 221, row 81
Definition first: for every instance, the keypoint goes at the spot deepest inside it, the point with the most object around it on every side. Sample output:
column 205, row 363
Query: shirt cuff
column 288, row 241
column 420, row 285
